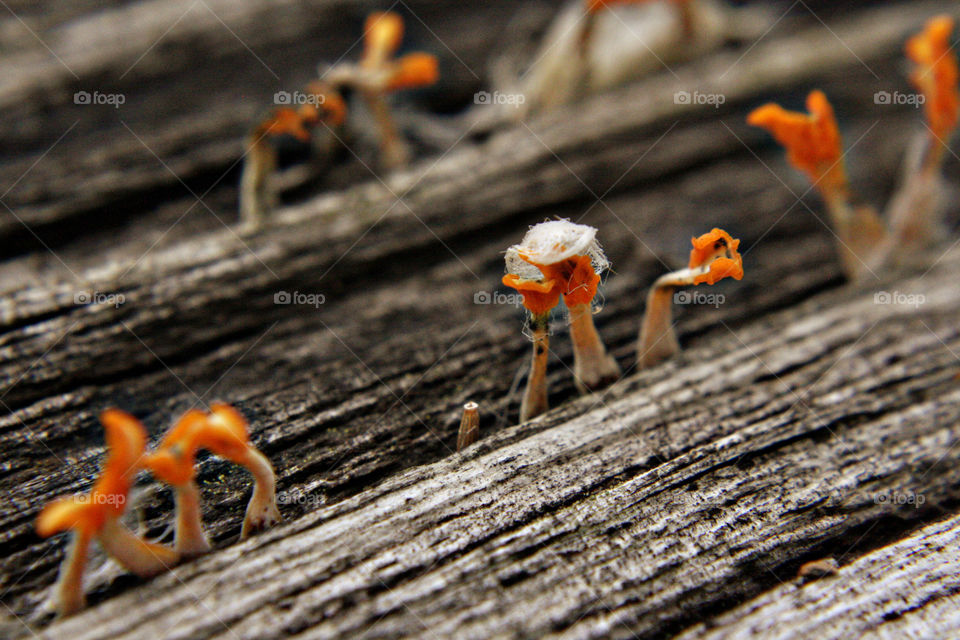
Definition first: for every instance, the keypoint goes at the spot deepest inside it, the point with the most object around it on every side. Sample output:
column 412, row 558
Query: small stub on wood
column 816, row 569
column 469, row 426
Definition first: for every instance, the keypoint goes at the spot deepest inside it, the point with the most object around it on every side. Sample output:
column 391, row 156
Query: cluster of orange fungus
column 936, row 74
column 126, row 442
column 539, row 297
column 812, row 140
column 719, row 250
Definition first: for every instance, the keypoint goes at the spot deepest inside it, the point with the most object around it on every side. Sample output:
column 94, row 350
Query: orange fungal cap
column 583, row 282
column 126, row 442
column 414, row 70
column 936, row 74
column 709, row 245
column 539, row 297
column 578, row 277
column 225, row 433
column 722, row 268
column 719, row 250
column 812, row 140
column 63, row 514
column 287, row 121
column 174, row 459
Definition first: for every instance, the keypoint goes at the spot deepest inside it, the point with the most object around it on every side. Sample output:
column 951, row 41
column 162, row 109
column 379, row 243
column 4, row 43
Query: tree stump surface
column 804, row 419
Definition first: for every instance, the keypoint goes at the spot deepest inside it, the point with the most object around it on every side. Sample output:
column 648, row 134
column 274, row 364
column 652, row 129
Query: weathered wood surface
column 889, row 593
column 679, row 491
column 583, row 519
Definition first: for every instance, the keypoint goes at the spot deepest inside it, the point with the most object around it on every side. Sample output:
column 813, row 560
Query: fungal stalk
column 570, row 255
column 814, row 146
column 913, row 212
column 469, row 426
column 379, row 73
column 223, row 432
column 714, row 257
column 539, row 298
column 96, row 516
column 258, row 195
column 594, row 45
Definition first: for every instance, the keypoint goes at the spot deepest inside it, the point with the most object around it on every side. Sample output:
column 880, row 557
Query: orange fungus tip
column 812, row 140
column 710, row 245
column 65, row 514
column 223, row 431
column 539, row 297
column 582, row 285
column 936, row 74
column 719, row 250
column 383, row 32
column 287, row 121
column 414, row 70
column 126, row 441
column 722, row 268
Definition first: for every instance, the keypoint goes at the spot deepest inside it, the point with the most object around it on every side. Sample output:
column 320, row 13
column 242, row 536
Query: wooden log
column 766, row 444
column 680, row 490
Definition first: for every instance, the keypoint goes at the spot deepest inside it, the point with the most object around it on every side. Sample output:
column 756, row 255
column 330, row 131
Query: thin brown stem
column 860, row 232
column 394, row 151
column 190, row 539
column 69, row 588
column 469, row 426
column 262, row 511
column 535, row 396
column 138, row 556
column 593, row 367
column 658, row 340
column 256, row 194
